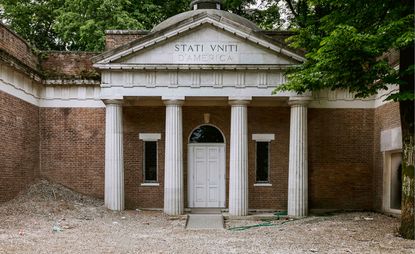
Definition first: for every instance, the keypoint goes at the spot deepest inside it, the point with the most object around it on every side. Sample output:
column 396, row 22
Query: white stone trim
column 126, row 66
column 262, row 184
column 71, row 82
column 263, row 137
column 149, row 136
column 83, row 95
column 150, row 184
column 391, row 139
column 22, row 87
column 19, row 85
column 344, row 99
column 58, row 103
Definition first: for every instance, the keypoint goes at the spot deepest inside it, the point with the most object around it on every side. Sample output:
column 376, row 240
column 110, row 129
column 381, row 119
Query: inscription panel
column 207, row 46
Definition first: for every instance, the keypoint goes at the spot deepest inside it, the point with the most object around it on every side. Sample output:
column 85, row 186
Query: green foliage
column 81, row 24
column 345, row 42
column 34, row 21
column 267, row 17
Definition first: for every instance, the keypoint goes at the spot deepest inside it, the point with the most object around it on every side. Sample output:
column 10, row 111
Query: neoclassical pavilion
column 203, row 54
column 184, row 116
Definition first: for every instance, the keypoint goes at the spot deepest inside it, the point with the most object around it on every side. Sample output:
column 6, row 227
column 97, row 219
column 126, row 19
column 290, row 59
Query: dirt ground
column 49, row 218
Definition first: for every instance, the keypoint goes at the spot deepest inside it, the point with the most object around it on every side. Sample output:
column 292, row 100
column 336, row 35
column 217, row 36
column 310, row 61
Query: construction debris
column 81, row 224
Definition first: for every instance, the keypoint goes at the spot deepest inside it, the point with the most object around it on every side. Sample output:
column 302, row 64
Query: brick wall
column 142, row 120
column 68, row 65
column 18, row 48
column 19, row 146
column 275, row 121
column 152, row 120
column 385, row 117
column 116, row 38
column 340, row 158
column 73, row 147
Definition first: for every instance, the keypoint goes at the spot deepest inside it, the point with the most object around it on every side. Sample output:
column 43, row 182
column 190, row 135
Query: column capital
column 113, row 101
column 174, row 102
column 299, row 100
column 239, row 100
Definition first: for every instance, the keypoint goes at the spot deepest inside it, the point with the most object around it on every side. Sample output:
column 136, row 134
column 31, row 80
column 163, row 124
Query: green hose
column 265, row 224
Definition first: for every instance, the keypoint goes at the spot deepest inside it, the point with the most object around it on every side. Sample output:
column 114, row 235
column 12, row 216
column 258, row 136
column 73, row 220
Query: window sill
column 262, row 185
column 150, row 184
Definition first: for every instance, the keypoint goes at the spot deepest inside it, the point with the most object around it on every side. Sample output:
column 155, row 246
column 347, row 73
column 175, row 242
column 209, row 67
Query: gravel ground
column 49, row 218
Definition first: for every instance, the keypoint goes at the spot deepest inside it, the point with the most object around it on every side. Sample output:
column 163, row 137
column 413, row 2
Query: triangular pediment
column 203, row 42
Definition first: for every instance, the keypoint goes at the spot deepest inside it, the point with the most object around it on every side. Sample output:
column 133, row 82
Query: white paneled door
column 206, row 175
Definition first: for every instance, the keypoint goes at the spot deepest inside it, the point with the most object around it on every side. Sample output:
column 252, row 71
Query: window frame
column 266, row 138
column 144, row 162
column 268, row 164
column 150, row 137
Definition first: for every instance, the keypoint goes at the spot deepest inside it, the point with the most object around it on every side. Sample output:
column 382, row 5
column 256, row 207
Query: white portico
column 202, row 55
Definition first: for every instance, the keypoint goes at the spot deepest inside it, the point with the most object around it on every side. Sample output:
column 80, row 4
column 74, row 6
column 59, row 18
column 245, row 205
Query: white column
column 238, row 175
column 173, row 162
column 298, row 168
column 114, row 157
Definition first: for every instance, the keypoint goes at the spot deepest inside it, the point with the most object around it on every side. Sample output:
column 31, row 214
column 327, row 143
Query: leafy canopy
column 81, row 24
column 345, row 43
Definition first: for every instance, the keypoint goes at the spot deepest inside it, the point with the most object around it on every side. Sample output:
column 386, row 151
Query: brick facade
column 67, row 145
column 340, row 149
column 68, row 65
column 340, row 160
column 116, row 38
column 276, row 121
column 14, row 46
column 19, row 146
column 72, row 148
column 343, row 172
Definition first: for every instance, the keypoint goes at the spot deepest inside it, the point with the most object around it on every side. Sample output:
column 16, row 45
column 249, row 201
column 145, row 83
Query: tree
column 266, row 17
column 34, row 20
column 345, row 42
column 81, row 24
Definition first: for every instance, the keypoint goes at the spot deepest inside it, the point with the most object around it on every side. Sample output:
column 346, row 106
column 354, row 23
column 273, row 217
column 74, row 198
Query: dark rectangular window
column 262, row 162
column 150, row 161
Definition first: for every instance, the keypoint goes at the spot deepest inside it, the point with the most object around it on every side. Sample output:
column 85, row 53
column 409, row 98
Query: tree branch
column 291, row 6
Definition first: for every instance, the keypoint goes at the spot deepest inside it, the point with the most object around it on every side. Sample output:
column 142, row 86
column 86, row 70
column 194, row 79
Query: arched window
column 206, row 134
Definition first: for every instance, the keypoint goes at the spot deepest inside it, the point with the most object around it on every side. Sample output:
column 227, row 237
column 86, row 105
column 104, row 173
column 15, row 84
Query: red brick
column 19, row 146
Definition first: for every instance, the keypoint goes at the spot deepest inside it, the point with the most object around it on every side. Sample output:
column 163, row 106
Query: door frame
column 190, row 175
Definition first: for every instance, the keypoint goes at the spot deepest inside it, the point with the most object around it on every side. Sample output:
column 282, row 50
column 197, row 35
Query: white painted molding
column 150, row 184
column 240, row 98
column 299, row 100
column 71, row 82
column 263, row 137
column 172, row 98
column 65, row 95
column 172, row 86
column 149, row 136
column 262, row 185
